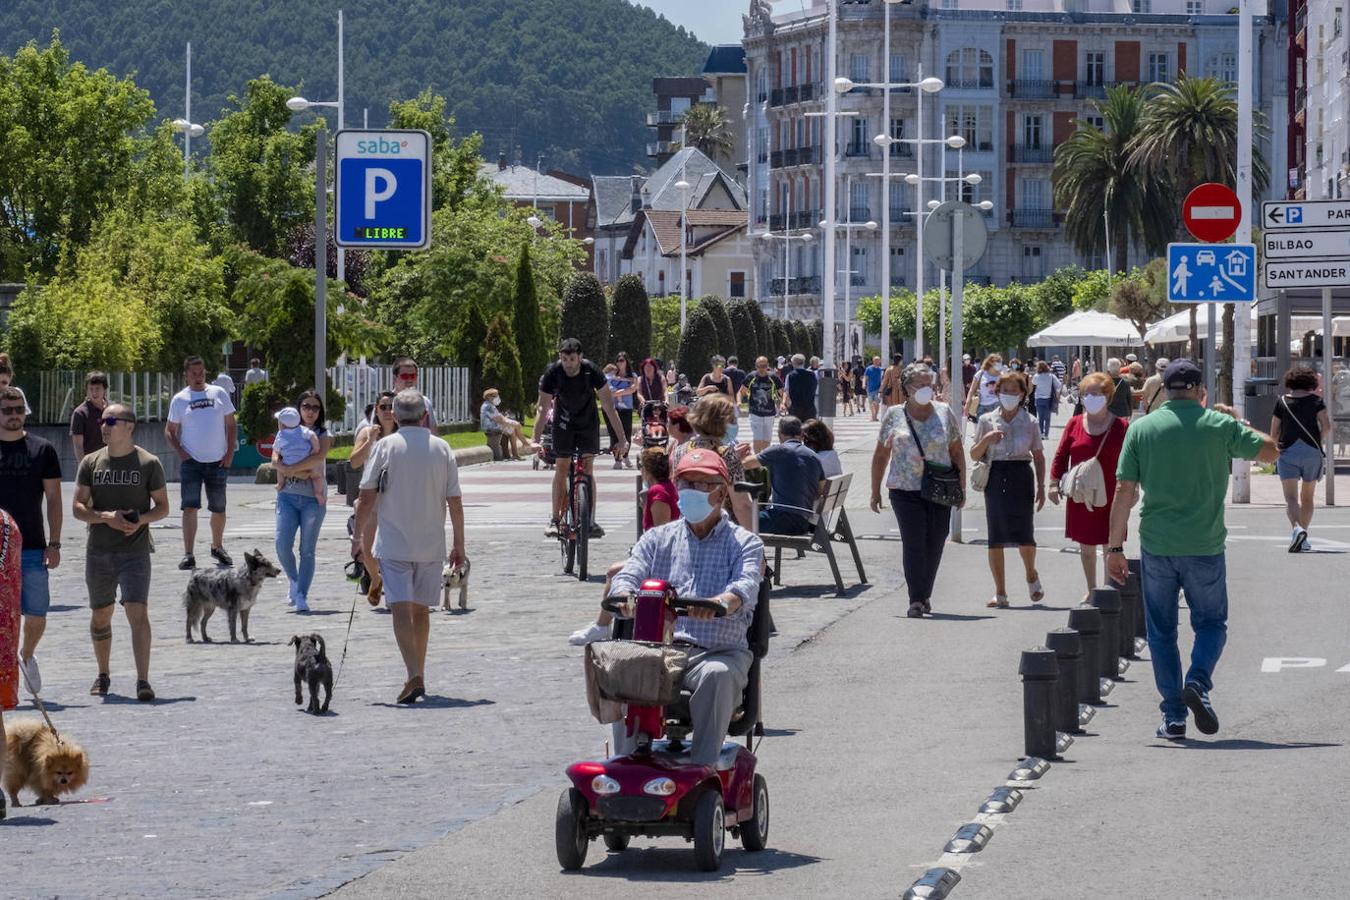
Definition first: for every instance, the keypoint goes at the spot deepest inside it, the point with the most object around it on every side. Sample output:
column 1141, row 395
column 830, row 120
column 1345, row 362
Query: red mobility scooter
column 657, row 789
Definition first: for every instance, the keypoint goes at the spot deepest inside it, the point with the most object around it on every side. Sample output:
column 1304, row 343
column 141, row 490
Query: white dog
column 455, row 577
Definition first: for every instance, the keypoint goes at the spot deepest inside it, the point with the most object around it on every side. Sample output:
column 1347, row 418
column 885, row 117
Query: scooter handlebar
column 679, row 605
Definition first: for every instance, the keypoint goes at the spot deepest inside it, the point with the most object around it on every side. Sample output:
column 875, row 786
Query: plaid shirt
column 729, row 559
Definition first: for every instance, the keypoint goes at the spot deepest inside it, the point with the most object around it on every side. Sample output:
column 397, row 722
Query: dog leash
column 42, row 708
column 350, row 618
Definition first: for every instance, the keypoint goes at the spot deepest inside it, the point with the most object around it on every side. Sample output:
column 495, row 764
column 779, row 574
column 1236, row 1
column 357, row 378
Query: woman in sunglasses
column 298, row 509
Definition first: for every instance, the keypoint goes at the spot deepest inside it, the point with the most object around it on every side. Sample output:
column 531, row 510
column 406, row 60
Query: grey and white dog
column 234, row 590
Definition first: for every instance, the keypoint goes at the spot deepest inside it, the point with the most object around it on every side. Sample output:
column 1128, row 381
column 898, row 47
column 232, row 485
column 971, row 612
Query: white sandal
column 1000, row 601
column 1037, row 592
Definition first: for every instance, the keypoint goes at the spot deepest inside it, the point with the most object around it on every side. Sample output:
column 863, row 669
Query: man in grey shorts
column 119, row 492
column 407, row 485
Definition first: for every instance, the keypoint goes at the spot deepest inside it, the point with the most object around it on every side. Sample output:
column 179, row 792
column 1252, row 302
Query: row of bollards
column 1079, row 665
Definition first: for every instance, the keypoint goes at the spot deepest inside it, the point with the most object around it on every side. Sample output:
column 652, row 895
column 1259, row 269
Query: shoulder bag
column 1317, row 444
column 1085, row 483
column 940, row 484
column 979, row 474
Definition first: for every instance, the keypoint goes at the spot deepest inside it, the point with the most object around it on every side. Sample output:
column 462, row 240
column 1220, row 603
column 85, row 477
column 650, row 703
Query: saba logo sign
column 381, row 146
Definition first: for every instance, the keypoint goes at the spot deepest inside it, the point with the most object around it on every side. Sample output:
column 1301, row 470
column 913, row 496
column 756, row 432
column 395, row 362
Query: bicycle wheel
column 583, row 523
column 567, row 530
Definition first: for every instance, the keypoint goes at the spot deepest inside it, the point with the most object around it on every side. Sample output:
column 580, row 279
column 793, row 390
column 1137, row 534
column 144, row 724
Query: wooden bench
column 829, row 526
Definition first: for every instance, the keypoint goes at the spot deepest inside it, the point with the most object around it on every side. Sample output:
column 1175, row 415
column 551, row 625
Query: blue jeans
column 304, row 513
column 34, row 594
column 1205, row 580
column 783, row 521
column 1043, row 415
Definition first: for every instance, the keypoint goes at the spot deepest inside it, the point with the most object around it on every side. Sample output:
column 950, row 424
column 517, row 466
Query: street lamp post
column 848, row 227
column 786, row 237
column 185, row 125
column 683, row 187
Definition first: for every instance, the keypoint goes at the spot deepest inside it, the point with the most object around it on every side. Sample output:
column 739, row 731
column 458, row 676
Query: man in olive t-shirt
column 1181, row 456
column 119, row 492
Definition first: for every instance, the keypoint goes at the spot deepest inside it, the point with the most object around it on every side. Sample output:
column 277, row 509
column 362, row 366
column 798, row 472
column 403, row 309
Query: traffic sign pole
column 321, row 260
column 1242, row 312
column 958, row 295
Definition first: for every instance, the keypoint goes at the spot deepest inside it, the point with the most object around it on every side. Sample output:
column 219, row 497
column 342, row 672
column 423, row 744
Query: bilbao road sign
column 1211, row 273
column 1212, row 212
column 382, row 189
column 1305, row 214
column 1309, row 273
column 1314, row 244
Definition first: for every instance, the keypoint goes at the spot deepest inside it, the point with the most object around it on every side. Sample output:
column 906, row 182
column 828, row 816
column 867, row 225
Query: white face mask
column 1010, row 401
column 496, row 401
column 923, row 396
column 1094, row 403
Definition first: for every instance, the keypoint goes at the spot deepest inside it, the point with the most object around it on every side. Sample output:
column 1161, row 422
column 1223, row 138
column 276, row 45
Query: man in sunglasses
column 30, row 472
column 201, row 428
column 570, row 386
column 405, row 379
column 119, row 492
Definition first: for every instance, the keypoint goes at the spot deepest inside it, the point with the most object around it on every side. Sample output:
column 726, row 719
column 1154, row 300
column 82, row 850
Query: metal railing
column 807, row 284
column 971, row 84
column 806, row 218
column 447, row 387
column 57, row 392
column 665, row 117
column 1032, row 153
column 1032, row 89
column 859, row 213
column 1089, row 90
column 858, row 149
column 1033, row 218
column 904, row 151
column 663, row 148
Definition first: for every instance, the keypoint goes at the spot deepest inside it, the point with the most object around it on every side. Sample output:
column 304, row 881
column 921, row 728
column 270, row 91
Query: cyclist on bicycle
column 571, row 386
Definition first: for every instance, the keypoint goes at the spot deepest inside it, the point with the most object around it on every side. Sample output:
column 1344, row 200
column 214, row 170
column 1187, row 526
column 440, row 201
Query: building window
column 861, row 142
column 1158, row 67
column 1033, row 65
column 1031, row 262
column 1032, row 127
column 1014, row 5
column 1034, row 194
column 974, row 123
column 1094, row 67
column 1142, row 6
column 970, row 67
column 1096, row 122
column 679, row 105
column 860, row 67
column 899, row 68
column 736, row 288
column 1224, row 67
column 859, row 202
column 898, row 133
column 897, row 202
column 1195, row 7
column 762, row 85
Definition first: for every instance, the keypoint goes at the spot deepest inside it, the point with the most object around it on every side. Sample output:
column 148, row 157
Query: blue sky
column 712, row 21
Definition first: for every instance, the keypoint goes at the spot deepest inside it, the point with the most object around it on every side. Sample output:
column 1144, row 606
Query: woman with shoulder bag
column 1010, row 442
column 1091, row 440
column 919, row 454
column 1298, row 424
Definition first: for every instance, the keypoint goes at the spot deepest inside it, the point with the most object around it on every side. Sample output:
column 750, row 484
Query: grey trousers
column 716, row 679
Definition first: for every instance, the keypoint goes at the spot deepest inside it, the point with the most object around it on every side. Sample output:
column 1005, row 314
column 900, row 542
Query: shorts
column 104, row 573
column 193, row 475
column 874, row 396
column 761, row 428
column 587, row 440
column 35, row 595
column 412, row 582
column 1299, row 460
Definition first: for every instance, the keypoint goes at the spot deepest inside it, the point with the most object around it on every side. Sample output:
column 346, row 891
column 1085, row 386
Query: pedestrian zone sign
column 1211, row 273
column 382, row 189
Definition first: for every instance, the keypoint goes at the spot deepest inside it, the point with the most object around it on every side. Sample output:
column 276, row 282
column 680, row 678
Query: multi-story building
column 1319, row 124
column 556, row 195
column 1019, row 75
column 722, row 83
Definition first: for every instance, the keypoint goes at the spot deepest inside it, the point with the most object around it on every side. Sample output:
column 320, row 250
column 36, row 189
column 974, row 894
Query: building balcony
column 1032, row 153
column 857, row 279
column 971, row 84
column 777, row 222
column 809, row 284
column 663, row 148
column 859, row 213
column 902, row 151
column 664, row 117
column 901, row 217
column 858, row 150
column 1032, row 218
column 1089, row 90
column 1032, row 89
column 807, row 218
column 795, row 156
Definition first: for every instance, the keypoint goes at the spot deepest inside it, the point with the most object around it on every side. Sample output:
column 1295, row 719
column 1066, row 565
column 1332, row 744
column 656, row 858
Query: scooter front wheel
column 710, row 831
column 755, row 833
column 570, row 830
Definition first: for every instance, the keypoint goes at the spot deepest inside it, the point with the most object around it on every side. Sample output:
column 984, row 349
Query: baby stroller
column 546, row 442
column 655, row 424
column 684, row 394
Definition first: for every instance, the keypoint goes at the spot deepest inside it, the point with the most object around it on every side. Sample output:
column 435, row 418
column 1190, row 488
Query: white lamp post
column 185, row 126
column 300, row 104
column 848, row 227
column 683, row 187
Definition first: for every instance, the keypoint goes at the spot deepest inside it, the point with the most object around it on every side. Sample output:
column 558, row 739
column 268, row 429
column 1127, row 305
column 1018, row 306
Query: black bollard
column 1108, row 601
column 1087, row 621
column 1039, row 672
column 1068, row 649
column 1128, row 601
column 1135, row 583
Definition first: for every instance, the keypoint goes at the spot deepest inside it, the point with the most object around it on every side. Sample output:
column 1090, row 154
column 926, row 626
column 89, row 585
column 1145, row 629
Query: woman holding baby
column 301, row 500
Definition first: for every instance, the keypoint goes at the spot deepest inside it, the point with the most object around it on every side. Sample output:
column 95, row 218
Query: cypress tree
column 698, row 344
column 630, row 321
column 533, row 351
column 585, row 316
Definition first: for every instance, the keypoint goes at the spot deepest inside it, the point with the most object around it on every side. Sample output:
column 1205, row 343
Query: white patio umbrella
column 1087, row 329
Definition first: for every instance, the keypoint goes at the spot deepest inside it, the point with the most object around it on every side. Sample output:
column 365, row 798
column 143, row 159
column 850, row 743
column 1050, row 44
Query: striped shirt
column 729, row 559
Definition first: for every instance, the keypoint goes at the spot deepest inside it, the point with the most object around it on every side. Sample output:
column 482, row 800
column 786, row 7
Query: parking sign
column 383, row 189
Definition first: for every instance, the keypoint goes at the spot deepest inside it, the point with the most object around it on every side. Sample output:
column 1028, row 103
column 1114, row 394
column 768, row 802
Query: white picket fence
column 447, row 387
column 58, row 391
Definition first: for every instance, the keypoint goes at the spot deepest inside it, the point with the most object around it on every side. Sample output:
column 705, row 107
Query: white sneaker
column 1298, row 540
column 588, row 635
column 291, row 594
column 300, row 605
column 32, row 674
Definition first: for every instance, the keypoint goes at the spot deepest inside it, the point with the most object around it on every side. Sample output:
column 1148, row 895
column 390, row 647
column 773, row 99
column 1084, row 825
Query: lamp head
column 843, row 85
column 534, row 221
column 882, row 140
column 911, row 178
column 931, row 85
column 807, row 237
column 196, row 130
column 823, row 224
column 934, row 204
column 871, row 225
column 973, row 178
column 588, row 241
column 297, row 104
column 682, row 185
column 956, row 142
column 985, row 205
column 180, row 124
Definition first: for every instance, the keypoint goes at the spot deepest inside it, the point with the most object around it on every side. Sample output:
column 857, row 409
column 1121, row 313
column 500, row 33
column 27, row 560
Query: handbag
column 979, row 475
column 1085, row 482
column 1301, row 427
column 939, row 484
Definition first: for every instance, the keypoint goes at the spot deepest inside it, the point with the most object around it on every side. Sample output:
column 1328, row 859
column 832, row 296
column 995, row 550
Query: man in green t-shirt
column 1180, row 455
column 119, row 491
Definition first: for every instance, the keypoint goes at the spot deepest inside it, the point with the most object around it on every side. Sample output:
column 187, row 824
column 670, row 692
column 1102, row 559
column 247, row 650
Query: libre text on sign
column 382, row 187
column 1211, row 273
column 1306, row 243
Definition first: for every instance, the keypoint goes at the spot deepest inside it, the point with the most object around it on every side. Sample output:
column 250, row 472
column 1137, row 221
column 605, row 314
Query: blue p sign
column 383, row 189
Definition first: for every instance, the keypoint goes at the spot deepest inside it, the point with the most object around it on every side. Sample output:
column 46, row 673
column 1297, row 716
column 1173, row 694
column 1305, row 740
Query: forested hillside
column 570, row 79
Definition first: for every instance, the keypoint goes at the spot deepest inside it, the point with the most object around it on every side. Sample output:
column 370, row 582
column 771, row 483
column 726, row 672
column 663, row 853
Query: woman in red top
column 11, row 545
column 1094, row 432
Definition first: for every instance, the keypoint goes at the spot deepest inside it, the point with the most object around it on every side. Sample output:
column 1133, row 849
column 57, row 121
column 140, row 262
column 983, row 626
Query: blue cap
column 1181, row 375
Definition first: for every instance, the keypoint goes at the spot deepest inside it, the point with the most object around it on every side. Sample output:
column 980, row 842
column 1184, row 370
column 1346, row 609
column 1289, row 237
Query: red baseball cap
column 703, row 462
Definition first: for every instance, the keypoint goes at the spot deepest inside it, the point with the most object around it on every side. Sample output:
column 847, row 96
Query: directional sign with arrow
column 1306, row 214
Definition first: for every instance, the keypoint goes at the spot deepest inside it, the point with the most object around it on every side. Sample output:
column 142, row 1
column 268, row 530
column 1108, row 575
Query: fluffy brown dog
column 37, row 761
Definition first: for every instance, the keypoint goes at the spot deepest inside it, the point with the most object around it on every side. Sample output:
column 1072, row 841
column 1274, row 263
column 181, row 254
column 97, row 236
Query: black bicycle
column 574, row 530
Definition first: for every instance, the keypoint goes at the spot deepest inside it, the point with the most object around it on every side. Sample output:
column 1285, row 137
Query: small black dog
column 312, row 666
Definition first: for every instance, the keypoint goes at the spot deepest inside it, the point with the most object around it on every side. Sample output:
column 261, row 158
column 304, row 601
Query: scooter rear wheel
column 570, row 830
column 710, row 831
column 755, row 833
column 616, row 842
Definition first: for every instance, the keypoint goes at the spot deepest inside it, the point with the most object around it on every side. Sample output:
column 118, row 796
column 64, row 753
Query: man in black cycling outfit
column 571, row 386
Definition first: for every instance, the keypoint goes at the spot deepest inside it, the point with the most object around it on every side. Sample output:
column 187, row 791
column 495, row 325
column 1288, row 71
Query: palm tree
column 1188, row 136
column 707, row 129
column 1096, row 185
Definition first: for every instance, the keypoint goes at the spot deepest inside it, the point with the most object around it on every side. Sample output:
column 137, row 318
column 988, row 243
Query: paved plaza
column 883, row 734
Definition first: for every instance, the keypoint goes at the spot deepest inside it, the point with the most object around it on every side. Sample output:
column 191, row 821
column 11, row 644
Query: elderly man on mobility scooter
column 700, row 578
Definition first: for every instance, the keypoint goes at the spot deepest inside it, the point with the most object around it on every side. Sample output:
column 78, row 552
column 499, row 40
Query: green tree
column 781, row 333
column 501, row 364
column 706, row 128
column 468, row 346
column 261, row 170
column 585, row 315
column 801, row 339
column 1052, row 297
column 665, row 312
column 1097, row 181
column 455, row 165
column 698, row 344
column 1093, row 291
column 1142, row 296
column 533, row 351
column 630, row 320
column 763, row 340
column 743, row 326
column 999, row 318
column 717, row 308
column 75, row 146
column 816, row 330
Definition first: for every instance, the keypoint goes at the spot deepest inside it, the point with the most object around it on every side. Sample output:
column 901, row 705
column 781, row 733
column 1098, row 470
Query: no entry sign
column 1212, row 212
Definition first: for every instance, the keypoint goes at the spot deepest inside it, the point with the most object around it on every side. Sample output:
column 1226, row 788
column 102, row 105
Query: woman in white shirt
column 1045, row 389
column 984, row 384
column 817, row 436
